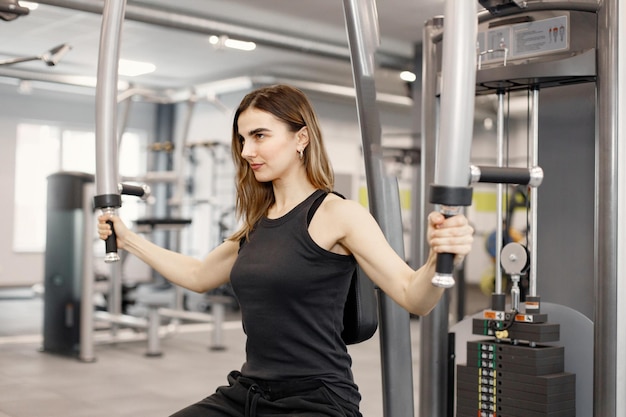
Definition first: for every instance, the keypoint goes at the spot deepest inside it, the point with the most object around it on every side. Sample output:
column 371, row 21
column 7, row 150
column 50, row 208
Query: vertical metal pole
column 456, row 119
column 620, row 309
column 499, row 216
column 607, row 332
column 180, row 162
column 430, row 125
column 154, row 324
column 362, row 27
column 218, row 311
column 458, row 90
column 108, row 196
column 433, row 327
column 86, row 350
column 532, row 222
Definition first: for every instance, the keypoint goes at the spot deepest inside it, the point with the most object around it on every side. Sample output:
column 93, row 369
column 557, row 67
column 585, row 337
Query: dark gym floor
column 123, row 382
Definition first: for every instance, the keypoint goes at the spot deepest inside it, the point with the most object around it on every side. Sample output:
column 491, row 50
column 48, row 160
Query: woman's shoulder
column 341, row 208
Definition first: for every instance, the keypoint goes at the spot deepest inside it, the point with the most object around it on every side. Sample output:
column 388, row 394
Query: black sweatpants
column 244, row 397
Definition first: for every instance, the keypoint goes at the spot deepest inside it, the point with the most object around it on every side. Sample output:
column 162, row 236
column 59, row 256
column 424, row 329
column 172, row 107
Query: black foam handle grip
column 135, row 190
column 110, row 245
column 445, row 263
column 444, row 268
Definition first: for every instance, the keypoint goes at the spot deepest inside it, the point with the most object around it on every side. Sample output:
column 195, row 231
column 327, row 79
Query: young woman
column 290, row 265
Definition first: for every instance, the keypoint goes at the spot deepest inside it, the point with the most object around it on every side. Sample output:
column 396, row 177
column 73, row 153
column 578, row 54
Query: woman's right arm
column 186, row 271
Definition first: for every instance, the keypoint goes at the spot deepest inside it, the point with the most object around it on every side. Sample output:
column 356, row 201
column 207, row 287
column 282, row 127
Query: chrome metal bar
column 107, row 167
column 456, row 118
column 499, row 198
column 532, row 223
column 384, row 204
column 434, row 327
column 608, row 390
column 86, row 348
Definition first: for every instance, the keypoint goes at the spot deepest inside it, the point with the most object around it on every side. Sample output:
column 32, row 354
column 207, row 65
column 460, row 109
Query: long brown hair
column 291, row 106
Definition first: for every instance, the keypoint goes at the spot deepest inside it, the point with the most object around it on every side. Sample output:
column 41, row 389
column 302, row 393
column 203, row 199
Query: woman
column 290, row 265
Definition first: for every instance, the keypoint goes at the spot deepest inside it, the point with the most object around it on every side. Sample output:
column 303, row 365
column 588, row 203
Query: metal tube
column 106, row 98
column 154, row 324
column 180, row 162
column 430, row 119
column 218, row 311
column 384, row 204
column 532, row 177
column 175, row 19
column 457, row 93
column 107, row 194
column 86, row 349
column 499, row 216
column 434, row 327
column 457, row 120
column 532, row 223
column 608, row 388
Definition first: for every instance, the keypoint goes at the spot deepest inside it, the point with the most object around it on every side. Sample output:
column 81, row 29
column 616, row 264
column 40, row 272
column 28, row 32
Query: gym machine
column 564, row 55
column 108, row 199
column 69, row 274
column 384, row 203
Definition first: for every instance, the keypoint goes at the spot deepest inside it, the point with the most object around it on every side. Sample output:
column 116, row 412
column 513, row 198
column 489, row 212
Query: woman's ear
column 303, row 137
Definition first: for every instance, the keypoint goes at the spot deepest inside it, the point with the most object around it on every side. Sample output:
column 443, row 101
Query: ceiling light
column 224, row 41
column 241, row 45
column 134, row 68
column 408, row 76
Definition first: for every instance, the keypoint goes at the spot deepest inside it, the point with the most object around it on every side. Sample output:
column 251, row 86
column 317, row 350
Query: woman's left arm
column 411, row 289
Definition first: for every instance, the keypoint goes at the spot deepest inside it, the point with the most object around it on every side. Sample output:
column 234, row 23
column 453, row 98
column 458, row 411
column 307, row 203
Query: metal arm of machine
column 108, row 197
column 384, row 204
column 532, row 177
column 141, row 191
column 451, row 190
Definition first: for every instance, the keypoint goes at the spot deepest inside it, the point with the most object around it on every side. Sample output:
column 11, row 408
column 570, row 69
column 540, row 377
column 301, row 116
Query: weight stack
column 506, row 380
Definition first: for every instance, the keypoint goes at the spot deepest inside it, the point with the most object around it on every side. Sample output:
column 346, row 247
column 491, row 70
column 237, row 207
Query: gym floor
column 123, row 382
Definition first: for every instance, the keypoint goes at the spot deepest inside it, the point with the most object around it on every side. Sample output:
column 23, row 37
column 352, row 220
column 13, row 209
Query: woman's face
column 268, row 145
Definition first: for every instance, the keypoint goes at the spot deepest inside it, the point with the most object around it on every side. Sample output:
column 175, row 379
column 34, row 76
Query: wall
column 58, row 108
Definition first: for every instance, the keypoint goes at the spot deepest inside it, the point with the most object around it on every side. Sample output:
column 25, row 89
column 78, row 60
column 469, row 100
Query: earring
column 301, row 152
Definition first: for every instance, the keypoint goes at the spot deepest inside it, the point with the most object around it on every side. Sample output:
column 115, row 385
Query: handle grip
column 445, row 261
column 141, row 191
column 443, row 273
column 110, row 243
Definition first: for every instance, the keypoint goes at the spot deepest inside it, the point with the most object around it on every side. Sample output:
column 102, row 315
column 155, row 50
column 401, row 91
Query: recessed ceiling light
column 241, row 45
column 221, row 41
column 408, row 76
column 134, row 68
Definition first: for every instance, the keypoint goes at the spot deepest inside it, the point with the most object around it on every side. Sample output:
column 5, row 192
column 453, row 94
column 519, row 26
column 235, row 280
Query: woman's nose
column 247, row 150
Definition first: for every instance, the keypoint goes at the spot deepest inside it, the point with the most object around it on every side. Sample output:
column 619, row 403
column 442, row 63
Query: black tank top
column 292, row 293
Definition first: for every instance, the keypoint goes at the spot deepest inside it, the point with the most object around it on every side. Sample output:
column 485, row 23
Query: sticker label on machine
column 524, row 39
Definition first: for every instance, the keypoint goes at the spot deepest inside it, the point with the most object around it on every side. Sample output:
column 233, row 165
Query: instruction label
column 523, row 40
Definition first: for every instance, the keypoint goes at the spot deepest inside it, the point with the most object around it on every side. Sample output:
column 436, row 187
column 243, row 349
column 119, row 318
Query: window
column 43, row 150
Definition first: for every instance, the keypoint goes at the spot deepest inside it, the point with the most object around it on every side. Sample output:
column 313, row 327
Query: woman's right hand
column 104, row 228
